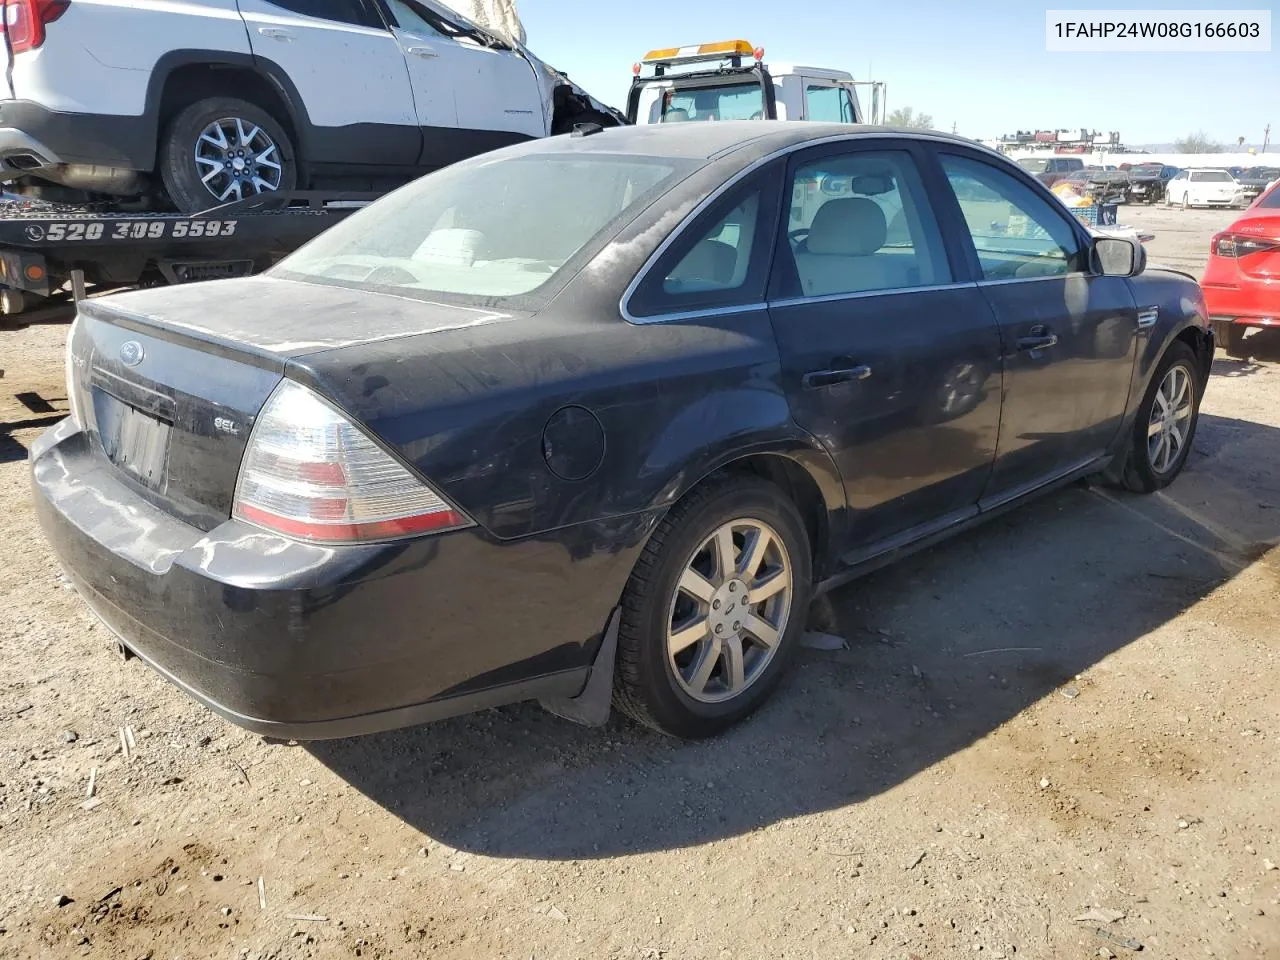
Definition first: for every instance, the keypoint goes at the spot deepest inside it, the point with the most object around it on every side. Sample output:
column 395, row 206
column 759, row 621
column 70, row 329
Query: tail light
column 25, row 20
column 1235, row 246
column 311, row 474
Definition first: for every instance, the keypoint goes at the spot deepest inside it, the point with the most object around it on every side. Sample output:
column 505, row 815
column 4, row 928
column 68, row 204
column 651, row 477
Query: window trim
column 948, row 205
column 374, row 19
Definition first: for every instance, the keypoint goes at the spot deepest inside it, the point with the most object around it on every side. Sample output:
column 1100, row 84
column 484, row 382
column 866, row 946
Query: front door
column 1067, row 336
column 887, row 360
column 470, row 96
column 349, row 73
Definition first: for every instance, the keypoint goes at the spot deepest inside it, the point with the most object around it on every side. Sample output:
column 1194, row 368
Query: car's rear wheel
column 713, row 608
column 1165, row 426
column 223, row 149
column 1233, row 341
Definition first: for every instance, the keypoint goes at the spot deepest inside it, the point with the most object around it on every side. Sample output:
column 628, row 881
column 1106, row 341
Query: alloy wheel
column 1170, row 421
column 729, row 612
column 236, row 158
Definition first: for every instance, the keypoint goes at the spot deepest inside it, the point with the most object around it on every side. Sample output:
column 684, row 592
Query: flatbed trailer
column 51, row 252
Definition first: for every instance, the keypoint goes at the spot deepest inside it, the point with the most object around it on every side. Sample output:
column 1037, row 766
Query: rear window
column 736, row 101
column 1033, row 165
column 1271, row 199
column 490, row 228
column 1211, row 176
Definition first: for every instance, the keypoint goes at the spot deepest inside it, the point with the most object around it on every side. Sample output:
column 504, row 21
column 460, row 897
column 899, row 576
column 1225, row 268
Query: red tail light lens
column 1235, row 246
column 311, row 474
column 25, row 20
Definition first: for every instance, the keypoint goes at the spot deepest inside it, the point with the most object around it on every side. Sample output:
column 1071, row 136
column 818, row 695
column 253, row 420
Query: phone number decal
column 93, row 230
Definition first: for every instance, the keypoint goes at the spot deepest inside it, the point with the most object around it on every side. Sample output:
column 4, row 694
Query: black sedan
column 591, row 419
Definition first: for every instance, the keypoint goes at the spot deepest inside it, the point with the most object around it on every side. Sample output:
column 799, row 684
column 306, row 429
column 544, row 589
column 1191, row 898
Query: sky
column 978, row 64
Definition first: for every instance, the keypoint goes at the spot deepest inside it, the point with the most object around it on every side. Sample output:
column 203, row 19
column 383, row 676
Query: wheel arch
column 182, row 77
column 805, row 473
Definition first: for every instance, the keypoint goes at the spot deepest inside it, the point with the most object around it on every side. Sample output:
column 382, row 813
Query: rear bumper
column 33, row 137
column 308, row 642
column 1254, row 304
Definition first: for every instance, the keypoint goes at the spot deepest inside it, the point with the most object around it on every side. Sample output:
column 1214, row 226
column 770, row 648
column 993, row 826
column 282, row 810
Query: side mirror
column 1118, row 256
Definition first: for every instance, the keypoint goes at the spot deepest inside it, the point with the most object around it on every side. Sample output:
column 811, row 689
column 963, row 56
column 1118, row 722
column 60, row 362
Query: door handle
column 1040, row 337
column 275, row 33
column 425, row 52
column 817, row 379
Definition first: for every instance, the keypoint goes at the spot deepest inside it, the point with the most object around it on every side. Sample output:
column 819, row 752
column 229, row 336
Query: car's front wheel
column 713, row 608
column 1165, row 426
column 223, row 149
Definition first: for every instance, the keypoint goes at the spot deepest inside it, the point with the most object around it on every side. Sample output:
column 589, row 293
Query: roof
column 705, row 140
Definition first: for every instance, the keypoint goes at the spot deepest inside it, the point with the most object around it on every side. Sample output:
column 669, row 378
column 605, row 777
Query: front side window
column 828, row 104
column 486, row 228
column 408, row 18
column 860, row 222
column 1017, row 233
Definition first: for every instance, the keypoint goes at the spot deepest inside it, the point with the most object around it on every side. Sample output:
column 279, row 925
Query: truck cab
column 729, row 80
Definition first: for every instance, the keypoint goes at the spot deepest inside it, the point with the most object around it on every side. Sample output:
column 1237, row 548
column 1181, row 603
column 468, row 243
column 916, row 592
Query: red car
column 1242, row 281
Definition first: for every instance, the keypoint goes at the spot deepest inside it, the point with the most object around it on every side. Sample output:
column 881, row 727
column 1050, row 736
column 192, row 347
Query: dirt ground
column 1055, row 737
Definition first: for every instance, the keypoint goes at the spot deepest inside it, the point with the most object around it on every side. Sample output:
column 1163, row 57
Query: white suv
column 219, row 100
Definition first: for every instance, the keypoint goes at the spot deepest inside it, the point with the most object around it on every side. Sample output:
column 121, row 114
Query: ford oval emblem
column 131, row 353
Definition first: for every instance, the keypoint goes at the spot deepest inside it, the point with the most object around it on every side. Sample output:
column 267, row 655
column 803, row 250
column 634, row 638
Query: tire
column 661, row 690
column 1141, row 474
column 1233, row 341
column 181, row 172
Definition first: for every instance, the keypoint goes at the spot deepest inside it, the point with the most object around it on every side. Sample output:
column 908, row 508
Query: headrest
column 850, row 227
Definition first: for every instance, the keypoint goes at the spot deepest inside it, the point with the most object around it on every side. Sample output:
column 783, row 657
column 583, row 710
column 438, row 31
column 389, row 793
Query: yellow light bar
column 725, row 48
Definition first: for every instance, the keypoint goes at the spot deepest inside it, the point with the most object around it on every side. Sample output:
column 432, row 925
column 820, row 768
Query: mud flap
column 592, row 706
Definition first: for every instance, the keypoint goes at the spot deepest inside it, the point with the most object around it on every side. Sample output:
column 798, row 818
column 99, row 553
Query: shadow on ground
column 942, row 649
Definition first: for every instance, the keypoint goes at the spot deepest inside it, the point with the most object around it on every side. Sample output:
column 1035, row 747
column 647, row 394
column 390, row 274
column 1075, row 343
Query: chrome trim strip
column 1147, row 317
column 1056, row 276
column 862, row 294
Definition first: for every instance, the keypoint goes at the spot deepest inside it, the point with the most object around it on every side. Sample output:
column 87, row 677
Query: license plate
column 134, row 441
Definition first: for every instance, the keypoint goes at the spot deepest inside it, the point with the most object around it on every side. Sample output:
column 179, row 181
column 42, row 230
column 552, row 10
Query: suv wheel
column 1165, row 426
column 713, row 608
column 221, row 149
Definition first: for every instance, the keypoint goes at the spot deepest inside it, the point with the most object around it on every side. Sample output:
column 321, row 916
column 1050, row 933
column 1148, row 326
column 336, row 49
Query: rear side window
column 1016, row 232
column 859, row 222
column 340, row 11
column 721, row 261
column 828, row 104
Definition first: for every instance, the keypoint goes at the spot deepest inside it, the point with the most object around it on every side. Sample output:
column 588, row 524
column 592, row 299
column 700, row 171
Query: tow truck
column 729, row 80
column 52, row 253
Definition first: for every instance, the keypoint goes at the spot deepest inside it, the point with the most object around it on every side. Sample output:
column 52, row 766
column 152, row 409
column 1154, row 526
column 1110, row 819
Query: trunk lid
column 1261, row 231
column 168, row 382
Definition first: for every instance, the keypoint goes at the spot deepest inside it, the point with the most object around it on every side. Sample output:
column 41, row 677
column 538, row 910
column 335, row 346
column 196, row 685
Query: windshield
column 1033, row 165
column 1147, row 170
column 489, row 228
column 1212, row 176
column 736, row 101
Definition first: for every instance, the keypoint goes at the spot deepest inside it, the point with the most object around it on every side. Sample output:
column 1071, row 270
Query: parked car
column 1240, row 280
column 476, row 445
column 212, row 101
column 1049, row 170
column 1203, row 188
column 1254, row 182
column 1148, row 181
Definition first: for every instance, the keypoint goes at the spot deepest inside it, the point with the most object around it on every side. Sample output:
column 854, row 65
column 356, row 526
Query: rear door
column 1067, row 336
column 349, row 72
column 889, row 356
column 466, row 88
